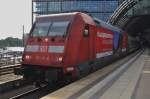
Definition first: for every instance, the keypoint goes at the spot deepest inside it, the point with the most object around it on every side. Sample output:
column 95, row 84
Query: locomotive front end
column 43, row 57
column 46, row 45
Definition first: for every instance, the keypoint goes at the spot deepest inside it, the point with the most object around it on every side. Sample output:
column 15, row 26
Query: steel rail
column 26, row 93
column 126, row 5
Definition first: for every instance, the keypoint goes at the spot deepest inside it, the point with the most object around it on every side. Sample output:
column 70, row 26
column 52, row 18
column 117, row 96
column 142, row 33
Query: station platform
column 142, row 90
column 8, row 81
column 8, row 66
column 8, row 78
column 129, row 81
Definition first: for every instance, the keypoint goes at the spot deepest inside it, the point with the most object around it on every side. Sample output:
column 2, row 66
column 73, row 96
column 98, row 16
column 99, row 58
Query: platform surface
column 122, row 86
column 8, row 77
column 143, row 88
column 125, row 86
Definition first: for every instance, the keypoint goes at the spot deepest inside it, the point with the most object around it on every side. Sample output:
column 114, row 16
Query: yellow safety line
column 146, row 72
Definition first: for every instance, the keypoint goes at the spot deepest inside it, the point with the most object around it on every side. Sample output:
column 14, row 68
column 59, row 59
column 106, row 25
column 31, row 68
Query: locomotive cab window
column 41, row 29
column 55, row 28
column 58, row 28
column 86, row 32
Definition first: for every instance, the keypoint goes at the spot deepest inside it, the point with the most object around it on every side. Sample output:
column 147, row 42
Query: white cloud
column 14, row 14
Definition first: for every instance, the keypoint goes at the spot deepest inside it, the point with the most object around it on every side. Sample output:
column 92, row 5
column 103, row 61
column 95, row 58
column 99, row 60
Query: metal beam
column 121, row 10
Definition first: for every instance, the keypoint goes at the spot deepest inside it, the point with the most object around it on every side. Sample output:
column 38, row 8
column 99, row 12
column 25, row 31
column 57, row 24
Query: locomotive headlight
column 60, row 59
column 46, row 39
column 27, row 57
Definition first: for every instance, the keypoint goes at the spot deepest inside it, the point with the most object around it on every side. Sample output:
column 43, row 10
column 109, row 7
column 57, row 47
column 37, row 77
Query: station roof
column 133, row 16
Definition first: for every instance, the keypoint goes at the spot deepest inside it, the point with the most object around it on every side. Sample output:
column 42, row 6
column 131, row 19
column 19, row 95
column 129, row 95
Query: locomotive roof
column 103, row 24
column 57, row 14
column 87, row 19
column 53, row 17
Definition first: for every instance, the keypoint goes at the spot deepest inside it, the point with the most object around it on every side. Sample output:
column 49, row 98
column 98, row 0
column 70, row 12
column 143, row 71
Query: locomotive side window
column 86, row 31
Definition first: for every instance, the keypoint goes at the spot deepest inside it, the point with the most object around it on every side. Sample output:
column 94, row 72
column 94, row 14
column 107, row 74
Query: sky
column 13, row 15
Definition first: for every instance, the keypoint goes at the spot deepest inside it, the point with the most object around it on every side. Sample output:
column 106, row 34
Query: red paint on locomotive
column 70, row 41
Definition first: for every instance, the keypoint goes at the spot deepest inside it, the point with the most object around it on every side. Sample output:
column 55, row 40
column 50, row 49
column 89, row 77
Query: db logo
column 43, row 48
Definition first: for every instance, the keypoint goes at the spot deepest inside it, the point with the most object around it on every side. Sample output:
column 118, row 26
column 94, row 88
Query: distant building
column 101, row 9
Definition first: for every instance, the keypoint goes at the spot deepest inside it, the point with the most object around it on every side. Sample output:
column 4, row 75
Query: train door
column 89, row 38
column 85, row 43
column 83, row 51
column 124, row 42
column 116, row 41
column 92, row 33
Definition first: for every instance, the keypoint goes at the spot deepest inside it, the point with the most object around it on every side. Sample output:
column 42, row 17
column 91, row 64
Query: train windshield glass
column 58, row 28
column 41, row 29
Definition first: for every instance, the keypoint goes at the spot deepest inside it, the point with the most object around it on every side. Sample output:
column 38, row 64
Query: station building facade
column 101, row 9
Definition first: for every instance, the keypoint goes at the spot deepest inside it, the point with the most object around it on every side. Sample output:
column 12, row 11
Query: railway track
column 8, row 69
column 25, row 93
column 31, row 92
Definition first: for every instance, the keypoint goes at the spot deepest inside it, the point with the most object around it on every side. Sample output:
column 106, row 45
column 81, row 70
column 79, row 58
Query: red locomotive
column 68, row 45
